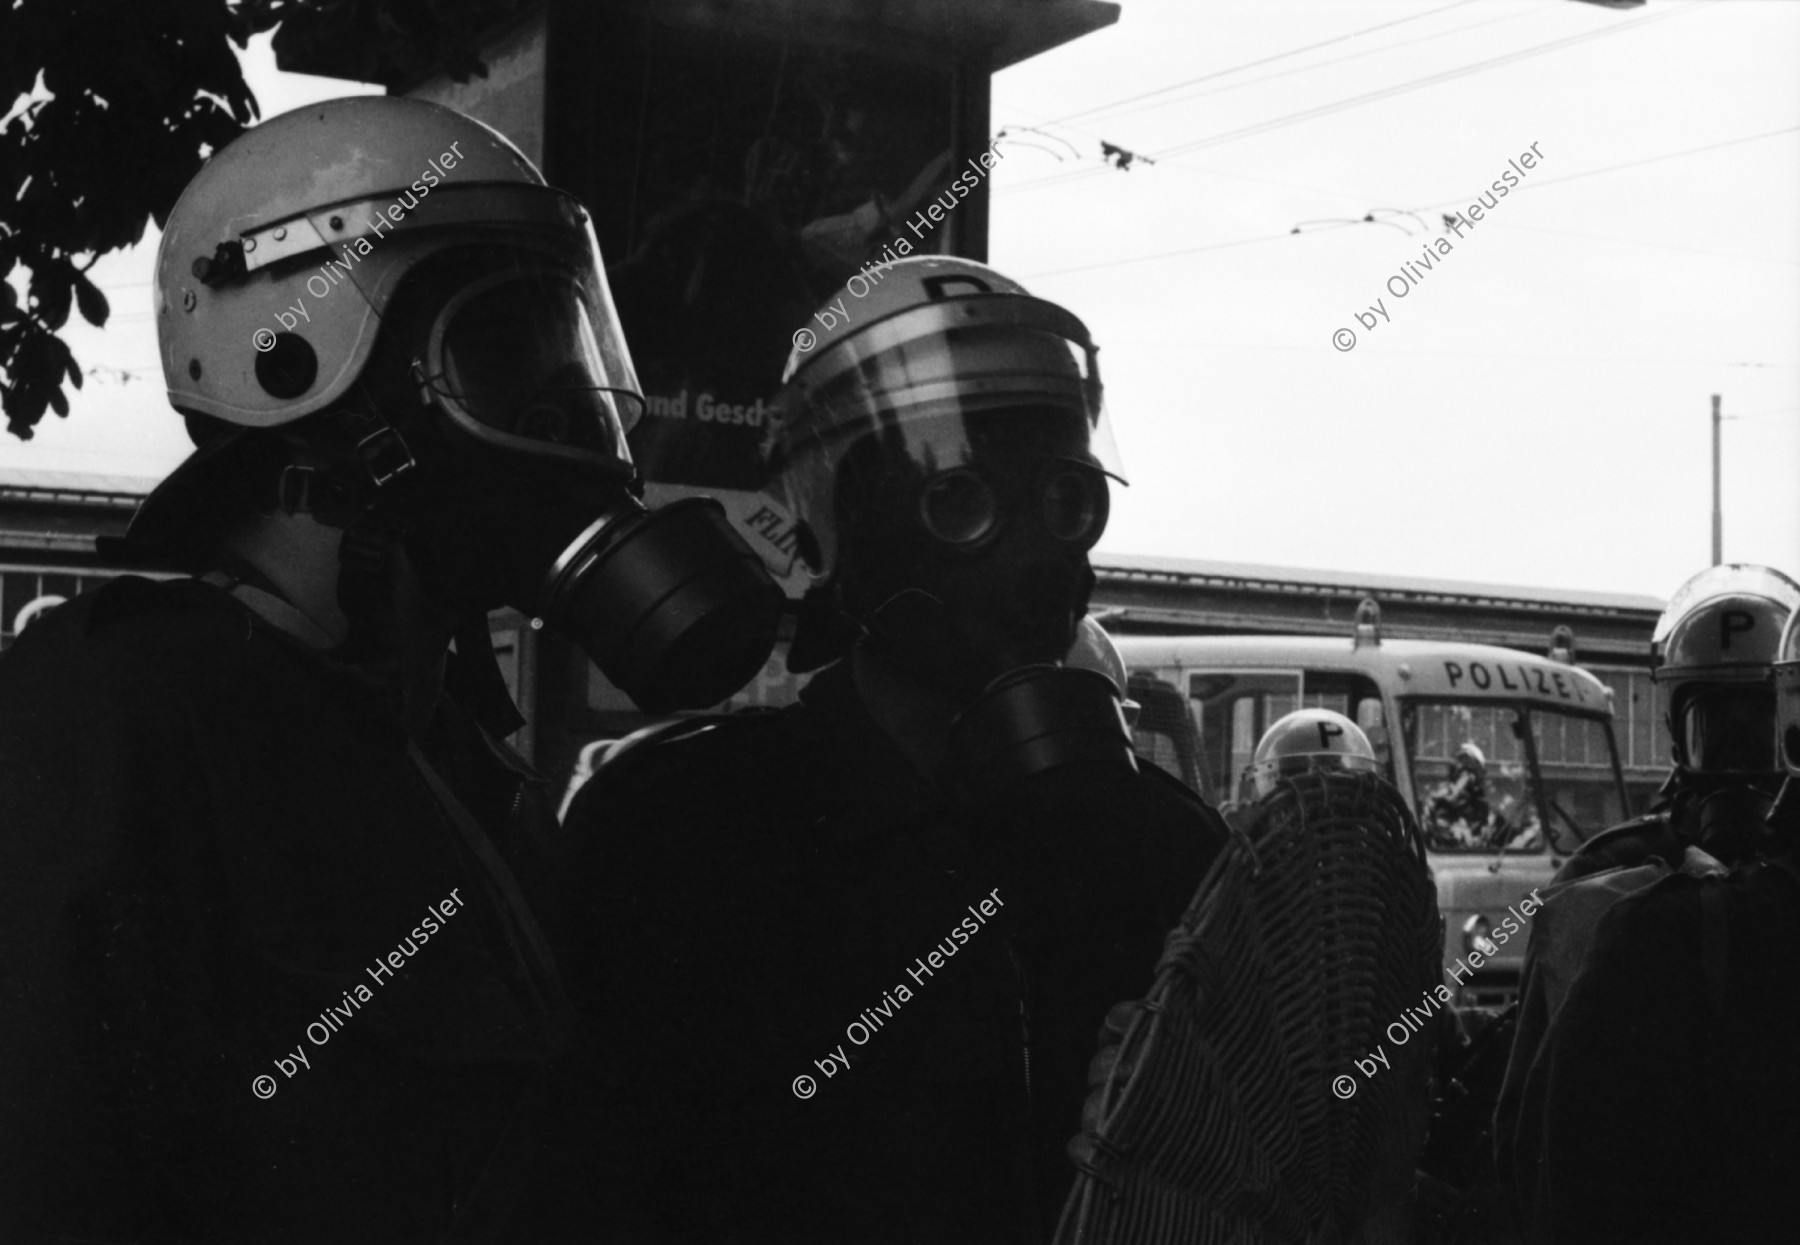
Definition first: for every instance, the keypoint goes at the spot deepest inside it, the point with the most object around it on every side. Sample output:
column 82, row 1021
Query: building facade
column 48, row 522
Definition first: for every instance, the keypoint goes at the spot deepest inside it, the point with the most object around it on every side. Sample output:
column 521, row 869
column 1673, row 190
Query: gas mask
column 963, row 574
column 1728, row 731
column 511, row 484
column 1729, row 772
column 974, row 580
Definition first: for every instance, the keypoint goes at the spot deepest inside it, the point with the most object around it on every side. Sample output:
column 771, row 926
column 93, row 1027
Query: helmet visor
column 1264, row 776
column 1730, row 730
column 529, row 359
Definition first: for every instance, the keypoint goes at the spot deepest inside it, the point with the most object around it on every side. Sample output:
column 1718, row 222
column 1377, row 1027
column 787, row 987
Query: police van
column 1507, row 759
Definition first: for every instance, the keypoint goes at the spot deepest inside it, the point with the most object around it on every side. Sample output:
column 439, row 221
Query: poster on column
column 747, row 179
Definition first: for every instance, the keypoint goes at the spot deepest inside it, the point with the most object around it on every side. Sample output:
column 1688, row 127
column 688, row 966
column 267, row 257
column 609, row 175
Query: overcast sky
column 1534, row 410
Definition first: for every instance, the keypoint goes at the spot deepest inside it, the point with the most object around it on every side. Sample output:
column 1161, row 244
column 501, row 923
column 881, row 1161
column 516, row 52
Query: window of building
column 1235, row 708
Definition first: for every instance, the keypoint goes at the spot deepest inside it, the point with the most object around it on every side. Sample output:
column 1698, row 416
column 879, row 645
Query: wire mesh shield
column 1213, row 1114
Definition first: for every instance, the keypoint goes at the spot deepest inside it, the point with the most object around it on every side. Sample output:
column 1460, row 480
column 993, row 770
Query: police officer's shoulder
column 123, row 609
column 646, row 742
column 713, row 744
column 685, row 797
column 1168, row 789
column 1628, row 844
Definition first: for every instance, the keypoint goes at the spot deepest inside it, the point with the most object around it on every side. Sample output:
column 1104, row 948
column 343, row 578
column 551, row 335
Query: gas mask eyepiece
column 965, row 508
column 1730, row 730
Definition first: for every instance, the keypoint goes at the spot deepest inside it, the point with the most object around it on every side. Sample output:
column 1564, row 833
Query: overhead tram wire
column 1139, row 259
column 1447, row 75
column 1357, row 196
column 1632, row 164
column 1263, row 127
column 1220, row 73
column 1336, row 60
column 1086, row 132
column 1671, row 155
column 1660, row 246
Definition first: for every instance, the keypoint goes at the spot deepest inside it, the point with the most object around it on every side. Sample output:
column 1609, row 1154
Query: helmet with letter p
column 1711, row 658
column 1303, row 742
column 374, row 312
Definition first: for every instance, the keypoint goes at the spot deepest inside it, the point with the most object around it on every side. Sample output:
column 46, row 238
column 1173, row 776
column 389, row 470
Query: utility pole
column 1718, row 515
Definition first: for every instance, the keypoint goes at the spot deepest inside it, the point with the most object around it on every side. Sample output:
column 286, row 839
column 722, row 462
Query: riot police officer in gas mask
column 1613, row 938
column 277, row 945
column 1711, row 654
column 859, row 949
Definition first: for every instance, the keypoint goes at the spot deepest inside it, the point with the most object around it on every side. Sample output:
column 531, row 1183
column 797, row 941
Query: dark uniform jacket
column 846, row 1010
column 1663, row 1103
column 255, row 983
column 1650, row 1006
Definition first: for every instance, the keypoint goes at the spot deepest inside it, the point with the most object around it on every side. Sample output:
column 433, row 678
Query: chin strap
column 348, row 491
column 365, row 592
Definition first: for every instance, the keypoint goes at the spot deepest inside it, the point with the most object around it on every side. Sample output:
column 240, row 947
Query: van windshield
column 1493, row 775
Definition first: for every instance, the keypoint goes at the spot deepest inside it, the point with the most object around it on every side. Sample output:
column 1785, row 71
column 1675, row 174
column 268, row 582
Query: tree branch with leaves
column 116, row 104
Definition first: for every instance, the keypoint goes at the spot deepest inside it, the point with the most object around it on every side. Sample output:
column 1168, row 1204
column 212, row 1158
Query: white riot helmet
column 1302, row 742
column 1711, row 656
column 392, row 284
column 283, row 254
column 940, row 357
column 943, row 446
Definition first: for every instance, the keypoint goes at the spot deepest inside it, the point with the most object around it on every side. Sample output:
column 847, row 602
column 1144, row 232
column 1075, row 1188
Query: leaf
column 52, row 288
column 91, row 302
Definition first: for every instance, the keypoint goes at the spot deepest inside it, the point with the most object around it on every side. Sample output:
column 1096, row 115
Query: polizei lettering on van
column 1502, row 676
